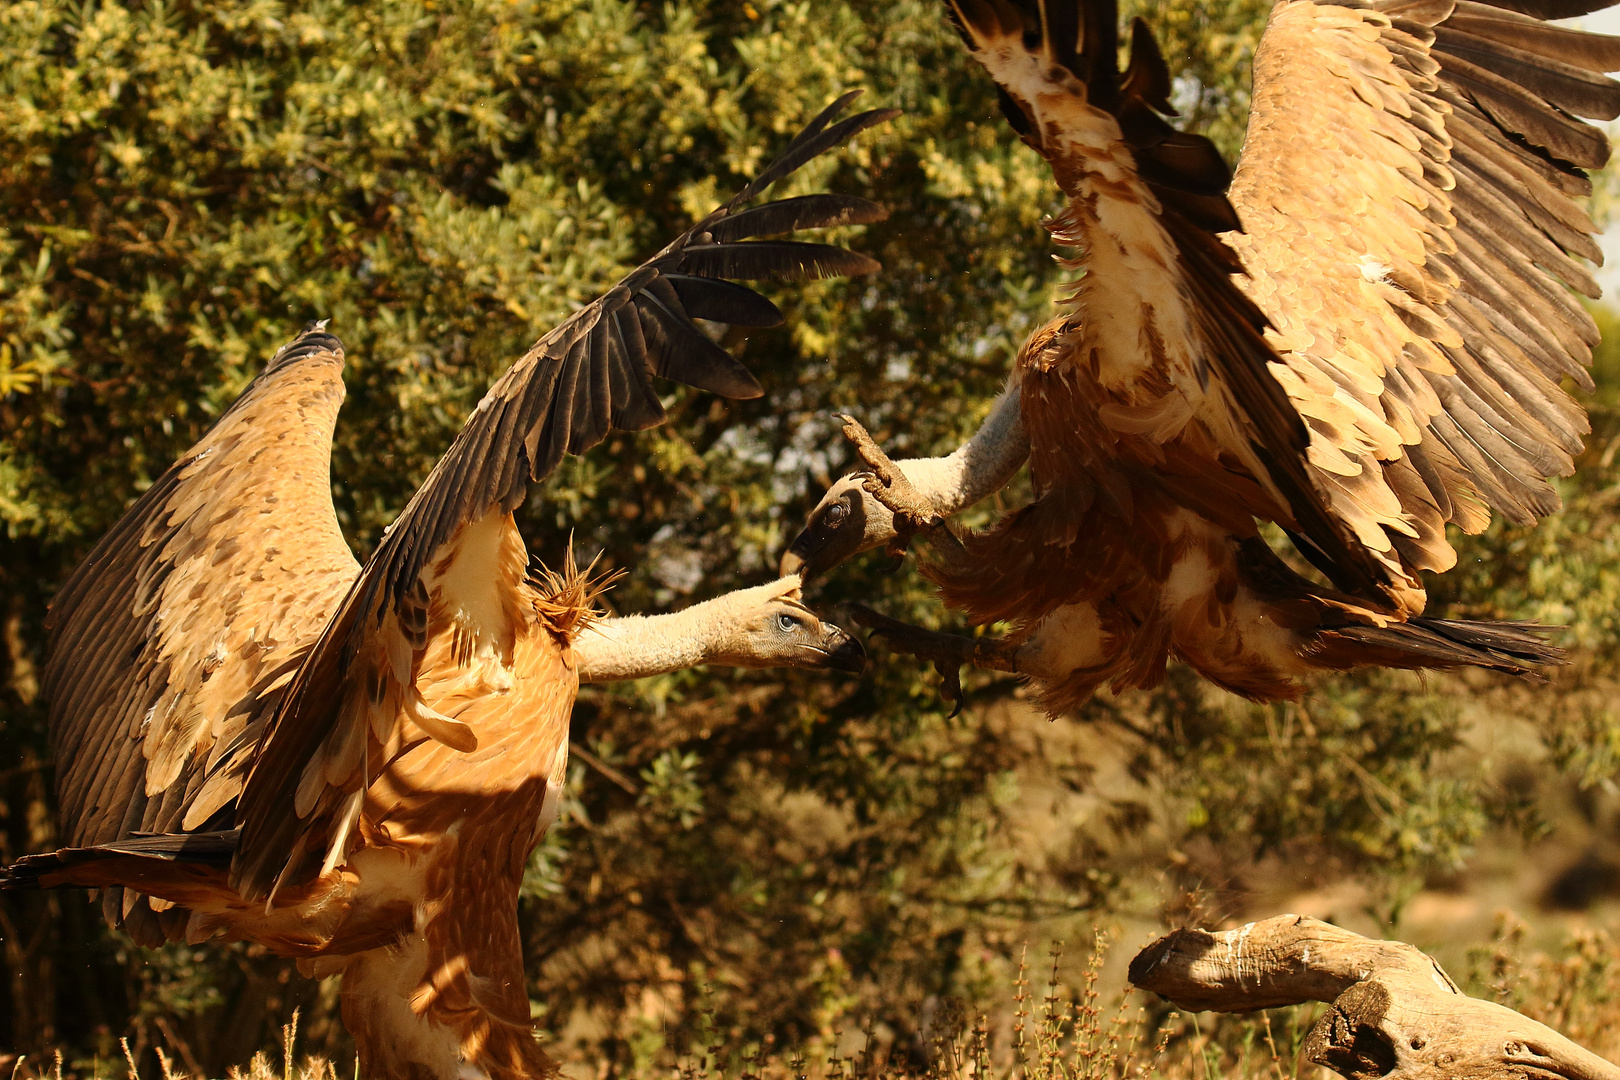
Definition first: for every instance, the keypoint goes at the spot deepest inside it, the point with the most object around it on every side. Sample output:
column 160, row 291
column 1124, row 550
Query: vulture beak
column 844, row 651
column 796, row 559
column 844, row 523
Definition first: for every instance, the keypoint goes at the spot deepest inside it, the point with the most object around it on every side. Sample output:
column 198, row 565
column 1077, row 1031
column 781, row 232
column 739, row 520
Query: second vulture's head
column 770, row 627
column 847, row 521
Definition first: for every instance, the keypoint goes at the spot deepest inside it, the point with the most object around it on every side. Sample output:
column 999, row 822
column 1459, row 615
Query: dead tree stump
column 1396, row 1014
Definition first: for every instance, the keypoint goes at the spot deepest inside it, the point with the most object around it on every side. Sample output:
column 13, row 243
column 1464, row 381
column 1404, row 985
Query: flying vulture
column 1362, row 337
column 256, row 737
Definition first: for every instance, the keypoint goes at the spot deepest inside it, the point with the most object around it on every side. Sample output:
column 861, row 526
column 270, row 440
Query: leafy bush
column 183, row 185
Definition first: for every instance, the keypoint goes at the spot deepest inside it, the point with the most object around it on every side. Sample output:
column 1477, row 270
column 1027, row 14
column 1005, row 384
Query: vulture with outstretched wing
column 254, row 736
column 1362, row 336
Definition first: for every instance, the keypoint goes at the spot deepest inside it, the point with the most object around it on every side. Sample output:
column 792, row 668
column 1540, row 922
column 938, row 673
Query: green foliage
column 183, row 185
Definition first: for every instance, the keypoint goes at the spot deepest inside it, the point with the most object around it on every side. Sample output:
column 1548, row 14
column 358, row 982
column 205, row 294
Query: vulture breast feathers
column 1361, row 336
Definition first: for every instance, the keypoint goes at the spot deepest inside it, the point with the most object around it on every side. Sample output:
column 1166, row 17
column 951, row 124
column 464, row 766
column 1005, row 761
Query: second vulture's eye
column 786, row 623
column 836, row 513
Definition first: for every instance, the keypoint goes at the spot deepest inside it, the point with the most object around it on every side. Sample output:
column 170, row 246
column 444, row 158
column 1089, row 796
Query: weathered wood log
column 1395, row 1013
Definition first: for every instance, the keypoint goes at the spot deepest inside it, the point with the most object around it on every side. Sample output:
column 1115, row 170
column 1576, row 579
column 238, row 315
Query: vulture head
column 770, row 627
column 847, row 521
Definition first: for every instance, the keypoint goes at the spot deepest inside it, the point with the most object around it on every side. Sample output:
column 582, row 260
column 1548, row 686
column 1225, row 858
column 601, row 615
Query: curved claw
column 943, row 651
column 888, row 484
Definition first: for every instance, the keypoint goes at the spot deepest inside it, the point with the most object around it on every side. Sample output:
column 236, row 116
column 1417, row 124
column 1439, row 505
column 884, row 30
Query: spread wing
column 1392, row 361
column 1176, row 337
column 1408, row 188
column 590, row 375
column 171, row 643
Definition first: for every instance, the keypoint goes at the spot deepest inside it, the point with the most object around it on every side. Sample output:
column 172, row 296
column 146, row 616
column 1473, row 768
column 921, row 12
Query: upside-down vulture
column 256, row 737
column 1362, row 336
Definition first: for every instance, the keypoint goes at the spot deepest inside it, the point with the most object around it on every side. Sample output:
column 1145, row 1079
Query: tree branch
column 1396, row 1014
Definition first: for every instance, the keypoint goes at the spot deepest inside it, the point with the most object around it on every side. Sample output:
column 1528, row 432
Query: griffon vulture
column 1362, row 337
column 256, row 737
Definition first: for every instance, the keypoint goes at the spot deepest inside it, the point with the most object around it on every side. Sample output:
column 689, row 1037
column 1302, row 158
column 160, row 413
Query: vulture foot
column 947, row 652
column 913, row 513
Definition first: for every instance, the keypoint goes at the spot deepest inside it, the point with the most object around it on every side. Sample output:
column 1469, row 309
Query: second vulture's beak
column 835, row 530
column 795, row 558
column 844, row 651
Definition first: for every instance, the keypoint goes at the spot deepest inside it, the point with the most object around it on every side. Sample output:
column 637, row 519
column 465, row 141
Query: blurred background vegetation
column 772, row 857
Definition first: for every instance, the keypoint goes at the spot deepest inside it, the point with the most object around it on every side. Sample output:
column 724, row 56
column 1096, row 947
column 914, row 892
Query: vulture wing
column 173, row 641
column 590, row 375
column 1408, row 188
column 1164, row 336
column 1392, row 362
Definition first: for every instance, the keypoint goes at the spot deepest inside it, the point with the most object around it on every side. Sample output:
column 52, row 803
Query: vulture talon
column 913, row 513
column 888, row 485
column 948, row 653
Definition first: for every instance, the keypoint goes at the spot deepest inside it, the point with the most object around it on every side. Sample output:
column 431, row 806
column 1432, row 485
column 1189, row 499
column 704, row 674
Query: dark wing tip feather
column 723, row 301
column 1184, row 169
column 683, row 353
column 1147, row 76
column 823, row 211
column 1099, row 48
column 780, row 260
column 816, row 139
column 314, row 339
column 1061, row 31
column 1550, row 9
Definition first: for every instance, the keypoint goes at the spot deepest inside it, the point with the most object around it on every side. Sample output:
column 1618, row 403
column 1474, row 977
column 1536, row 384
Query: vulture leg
column 949, row 653
column 849, row 519
column 913, row 512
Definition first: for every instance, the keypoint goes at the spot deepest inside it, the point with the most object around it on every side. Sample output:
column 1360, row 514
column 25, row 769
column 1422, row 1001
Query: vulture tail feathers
column 1517, row 648
column 76, row 867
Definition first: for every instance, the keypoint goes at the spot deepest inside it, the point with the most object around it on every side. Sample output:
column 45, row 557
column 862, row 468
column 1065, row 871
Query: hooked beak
column 796, row 558
column 844, row 651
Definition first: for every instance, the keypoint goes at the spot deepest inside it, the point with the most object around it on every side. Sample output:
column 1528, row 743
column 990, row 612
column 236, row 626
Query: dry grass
column 1059, row 1032
column 1063, row 1033
column 1575, row 989
column 261, row 1067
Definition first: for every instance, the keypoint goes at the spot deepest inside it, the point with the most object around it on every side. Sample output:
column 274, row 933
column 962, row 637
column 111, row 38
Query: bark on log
column 1396, row 1014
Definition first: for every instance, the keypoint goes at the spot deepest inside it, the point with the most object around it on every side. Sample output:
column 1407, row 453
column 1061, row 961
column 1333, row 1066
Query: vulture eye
column 836, row 513
column 786, row 623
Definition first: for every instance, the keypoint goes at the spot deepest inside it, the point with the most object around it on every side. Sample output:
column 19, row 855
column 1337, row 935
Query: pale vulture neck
column 636, row 646
column 980, row 466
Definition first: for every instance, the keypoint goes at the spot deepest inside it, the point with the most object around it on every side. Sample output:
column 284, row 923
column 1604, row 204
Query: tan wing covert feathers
column 171, row 645
column 1406, row 190
column 1377, row 355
